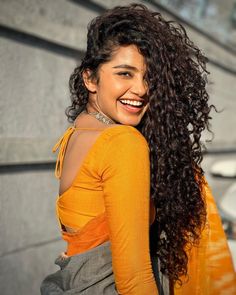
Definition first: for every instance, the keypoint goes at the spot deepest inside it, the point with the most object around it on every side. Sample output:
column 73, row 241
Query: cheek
column 120, row 86
column 114, row 87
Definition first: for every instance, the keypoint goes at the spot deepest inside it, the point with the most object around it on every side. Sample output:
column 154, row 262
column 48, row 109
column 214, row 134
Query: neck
column 100, row 117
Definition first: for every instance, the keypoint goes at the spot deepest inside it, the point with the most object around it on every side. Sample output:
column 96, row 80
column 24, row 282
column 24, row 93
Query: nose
column 139, row 87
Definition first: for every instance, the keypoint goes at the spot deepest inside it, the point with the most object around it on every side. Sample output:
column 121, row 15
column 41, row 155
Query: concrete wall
column 40, row 44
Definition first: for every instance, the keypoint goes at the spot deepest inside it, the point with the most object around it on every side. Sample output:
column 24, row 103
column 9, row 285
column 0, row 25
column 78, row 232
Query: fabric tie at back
column 62, row 144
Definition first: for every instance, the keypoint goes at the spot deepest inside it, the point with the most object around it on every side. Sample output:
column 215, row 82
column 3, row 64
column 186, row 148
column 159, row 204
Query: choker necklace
column 100, row 117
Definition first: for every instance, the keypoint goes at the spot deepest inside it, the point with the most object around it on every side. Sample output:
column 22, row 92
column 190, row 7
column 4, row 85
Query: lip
column 130, row 109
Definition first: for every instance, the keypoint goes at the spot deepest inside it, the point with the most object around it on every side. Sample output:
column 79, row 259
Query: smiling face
column 121, row 90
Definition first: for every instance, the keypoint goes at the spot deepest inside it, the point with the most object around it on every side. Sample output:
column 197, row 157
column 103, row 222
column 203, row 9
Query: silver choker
column 100, row 117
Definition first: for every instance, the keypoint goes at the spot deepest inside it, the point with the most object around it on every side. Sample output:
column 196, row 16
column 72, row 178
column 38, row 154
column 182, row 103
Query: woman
column 130, row 164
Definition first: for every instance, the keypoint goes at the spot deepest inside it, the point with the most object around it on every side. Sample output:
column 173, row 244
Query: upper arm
column 126, row 185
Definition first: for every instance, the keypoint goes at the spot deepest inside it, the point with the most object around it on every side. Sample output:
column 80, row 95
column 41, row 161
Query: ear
column 89, row 81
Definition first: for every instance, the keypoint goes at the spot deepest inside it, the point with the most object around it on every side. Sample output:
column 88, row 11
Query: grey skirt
column 90, row 273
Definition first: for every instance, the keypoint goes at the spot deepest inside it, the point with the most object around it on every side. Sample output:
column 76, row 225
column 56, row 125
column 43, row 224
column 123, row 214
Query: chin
column 130, row 122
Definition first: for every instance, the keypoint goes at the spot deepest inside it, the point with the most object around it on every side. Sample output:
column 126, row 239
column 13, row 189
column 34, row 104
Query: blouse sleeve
column 126, row 184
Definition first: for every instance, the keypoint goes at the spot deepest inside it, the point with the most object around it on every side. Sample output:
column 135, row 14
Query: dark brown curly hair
column 178, row 113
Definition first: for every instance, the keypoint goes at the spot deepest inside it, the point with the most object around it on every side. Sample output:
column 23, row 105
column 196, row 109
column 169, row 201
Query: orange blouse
column 109, row 199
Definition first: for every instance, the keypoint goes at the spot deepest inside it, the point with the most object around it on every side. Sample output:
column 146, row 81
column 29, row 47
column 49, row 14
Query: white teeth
column 135, row 103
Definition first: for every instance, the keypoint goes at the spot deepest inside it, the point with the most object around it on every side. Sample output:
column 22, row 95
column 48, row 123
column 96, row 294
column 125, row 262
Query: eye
column 125, row 74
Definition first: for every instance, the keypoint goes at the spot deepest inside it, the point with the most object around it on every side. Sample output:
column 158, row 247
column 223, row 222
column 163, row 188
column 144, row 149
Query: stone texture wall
column 40, row 44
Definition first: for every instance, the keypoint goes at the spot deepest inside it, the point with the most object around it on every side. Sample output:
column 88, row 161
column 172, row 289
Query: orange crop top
column 109, row 199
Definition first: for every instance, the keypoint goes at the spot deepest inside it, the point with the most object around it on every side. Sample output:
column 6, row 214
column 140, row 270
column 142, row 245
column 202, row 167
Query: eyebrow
column 125, row 67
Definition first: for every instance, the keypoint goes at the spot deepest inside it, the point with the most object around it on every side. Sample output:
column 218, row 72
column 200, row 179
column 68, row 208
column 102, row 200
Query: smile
column 133, row 103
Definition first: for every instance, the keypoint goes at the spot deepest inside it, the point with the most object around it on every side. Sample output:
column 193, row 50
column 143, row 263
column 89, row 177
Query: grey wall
column 40, row 44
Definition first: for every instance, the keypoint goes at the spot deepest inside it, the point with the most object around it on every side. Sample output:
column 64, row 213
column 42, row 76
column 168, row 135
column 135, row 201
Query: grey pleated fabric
column 89, row 273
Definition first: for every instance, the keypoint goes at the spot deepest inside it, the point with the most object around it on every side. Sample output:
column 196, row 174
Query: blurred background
column 41, row 41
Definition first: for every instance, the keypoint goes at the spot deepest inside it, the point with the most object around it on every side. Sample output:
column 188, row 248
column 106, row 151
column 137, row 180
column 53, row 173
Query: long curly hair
column 178, row 113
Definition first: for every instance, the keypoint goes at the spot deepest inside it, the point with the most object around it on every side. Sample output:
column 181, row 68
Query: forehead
column 127, row 55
